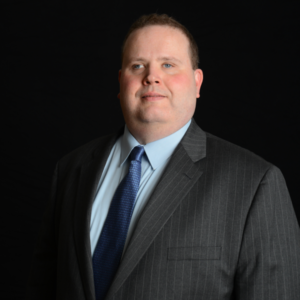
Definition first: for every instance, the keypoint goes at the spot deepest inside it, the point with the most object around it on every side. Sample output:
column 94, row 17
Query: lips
column 153, row 98
column 152, row 94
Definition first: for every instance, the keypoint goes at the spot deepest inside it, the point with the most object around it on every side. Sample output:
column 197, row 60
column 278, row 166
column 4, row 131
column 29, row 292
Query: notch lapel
column 89, row 177
column 179, row 177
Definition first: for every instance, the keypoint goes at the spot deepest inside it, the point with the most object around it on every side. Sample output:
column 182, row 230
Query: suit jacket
column 219, row 225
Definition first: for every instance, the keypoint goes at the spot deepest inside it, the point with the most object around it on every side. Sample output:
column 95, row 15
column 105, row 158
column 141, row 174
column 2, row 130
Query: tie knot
column 137, row 153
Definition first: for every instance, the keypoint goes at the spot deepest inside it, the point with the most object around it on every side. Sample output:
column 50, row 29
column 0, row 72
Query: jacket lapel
column 178, row 178
column 89, row 177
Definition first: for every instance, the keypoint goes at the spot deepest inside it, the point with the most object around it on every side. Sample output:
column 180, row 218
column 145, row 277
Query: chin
column 152, row 115
column 151, row 118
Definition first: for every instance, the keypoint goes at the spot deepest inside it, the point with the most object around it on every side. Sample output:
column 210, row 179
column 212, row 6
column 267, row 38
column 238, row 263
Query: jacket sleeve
column 41, row 283
column 269, row 259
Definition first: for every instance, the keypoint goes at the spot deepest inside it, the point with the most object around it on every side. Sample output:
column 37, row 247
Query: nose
column 151, row 77
column 150, row 81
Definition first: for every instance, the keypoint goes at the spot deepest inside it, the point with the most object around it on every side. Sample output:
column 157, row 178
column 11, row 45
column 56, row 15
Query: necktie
column 108, row 252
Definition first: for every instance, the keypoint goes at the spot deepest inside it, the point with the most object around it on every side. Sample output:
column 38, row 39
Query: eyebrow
column 165, row 58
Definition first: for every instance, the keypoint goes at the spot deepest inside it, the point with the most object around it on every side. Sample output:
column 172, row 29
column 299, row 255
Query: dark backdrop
column 60, row 69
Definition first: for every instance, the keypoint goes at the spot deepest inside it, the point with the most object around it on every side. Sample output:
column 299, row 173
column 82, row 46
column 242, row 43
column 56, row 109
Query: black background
column 60, row 69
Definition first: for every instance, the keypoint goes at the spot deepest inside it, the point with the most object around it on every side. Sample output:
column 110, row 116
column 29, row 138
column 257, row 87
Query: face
column 157, row 60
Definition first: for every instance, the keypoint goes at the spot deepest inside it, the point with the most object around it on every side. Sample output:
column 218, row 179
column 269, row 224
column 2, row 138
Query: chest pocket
column 194, row 253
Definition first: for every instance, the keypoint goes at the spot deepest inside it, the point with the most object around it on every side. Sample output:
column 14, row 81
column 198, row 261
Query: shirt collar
column 158, row 151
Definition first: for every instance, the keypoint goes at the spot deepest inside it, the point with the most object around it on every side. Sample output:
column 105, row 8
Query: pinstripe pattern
column 219, row 225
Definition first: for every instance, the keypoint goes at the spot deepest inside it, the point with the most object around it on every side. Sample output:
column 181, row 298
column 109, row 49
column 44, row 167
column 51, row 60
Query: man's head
column 146, row 68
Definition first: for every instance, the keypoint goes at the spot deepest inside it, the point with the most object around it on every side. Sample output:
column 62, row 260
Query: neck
column 146, row 133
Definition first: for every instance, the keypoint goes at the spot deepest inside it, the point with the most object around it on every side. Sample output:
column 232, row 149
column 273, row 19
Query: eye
column 134, row 66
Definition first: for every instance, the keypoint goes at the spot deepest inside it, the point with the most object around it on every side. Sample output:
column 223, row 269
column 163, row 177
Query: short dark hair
column 164, row 19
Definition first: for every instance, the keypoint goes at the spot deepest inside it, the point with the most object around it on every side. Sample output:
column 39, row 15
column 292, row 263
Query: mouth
column 153, row 98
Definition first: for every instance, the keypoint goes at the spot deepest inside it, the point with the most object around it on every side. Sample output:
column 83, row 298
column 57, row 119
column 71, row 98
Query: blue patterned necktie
column 109, row 249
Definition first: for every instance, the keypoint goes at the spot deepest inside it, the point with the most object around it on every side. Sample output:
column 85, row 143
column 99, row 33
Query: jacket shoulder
column 85, row 152
column 233, row 154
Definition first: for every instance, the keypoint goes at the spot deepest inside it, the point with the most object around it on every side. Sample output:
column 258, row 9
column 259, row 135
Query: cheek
column 181, row 86
column 180, row 83
column 129, row 84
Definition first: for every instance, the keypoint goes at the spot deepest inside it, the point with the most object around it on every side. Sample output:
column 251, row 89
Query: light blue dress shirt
column 155, row 159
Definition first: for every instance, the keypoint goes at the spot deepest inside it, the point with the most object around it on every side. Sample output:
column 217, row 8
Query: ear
column 198, row 79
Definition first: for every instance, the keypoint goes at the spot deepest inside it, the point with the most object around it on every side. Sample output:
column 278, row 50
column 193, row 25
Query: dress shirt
column 155, row 158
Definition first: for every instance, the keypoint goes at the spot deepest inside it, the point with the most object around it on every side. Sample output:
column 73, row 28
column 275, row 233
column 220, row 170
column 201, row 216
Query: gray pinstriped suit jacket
column 219, row 225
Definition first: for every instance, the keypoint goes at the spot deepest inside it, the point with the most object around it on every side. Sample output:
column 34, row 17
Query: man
column 162, row 209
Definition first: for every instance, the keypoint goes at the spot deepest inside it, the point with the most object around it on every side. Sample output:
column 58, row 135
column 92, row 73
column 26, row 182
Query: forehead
column 157, row 40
